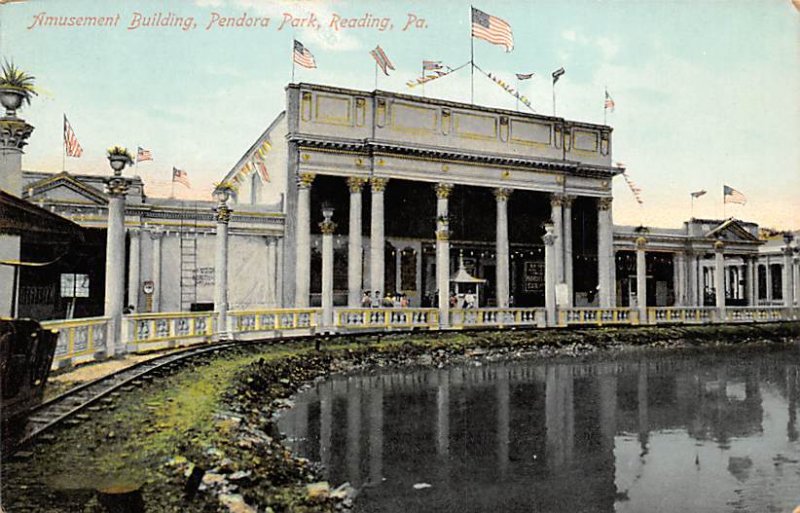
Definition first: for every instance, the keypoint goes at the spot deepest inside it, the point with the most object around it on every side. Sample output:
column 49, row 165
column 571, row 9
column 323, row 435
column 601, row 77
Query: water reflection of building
column 538, row 430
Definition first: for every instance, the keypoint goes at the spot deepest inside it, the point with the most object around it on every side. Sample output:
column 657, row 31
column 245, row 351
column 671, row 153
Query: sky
column 705, row 92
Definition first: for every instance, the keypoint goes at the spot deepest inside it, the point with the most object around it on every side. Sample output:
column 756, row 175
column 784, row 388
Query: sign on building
column 74, row 285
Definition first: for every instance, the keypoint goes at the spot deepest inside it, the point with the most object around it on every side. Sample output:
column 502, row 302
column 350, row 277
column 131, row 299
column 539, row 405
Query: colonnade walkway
column 90, row 339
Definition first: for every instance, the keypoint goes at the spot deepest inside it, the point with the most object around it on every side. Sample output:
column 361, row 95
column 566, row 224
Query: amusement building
column 398, row 212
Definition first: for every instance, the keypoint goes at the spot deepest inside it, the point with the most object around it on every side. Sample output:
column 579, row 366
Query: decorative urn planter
column 118, row 163
column 11, row 99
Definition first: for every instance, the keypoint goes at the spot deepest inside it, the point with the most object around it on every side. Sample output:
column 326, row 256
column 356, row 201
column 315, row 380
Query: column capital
column 719, row 246
column 557, row 199
column 502, row 193
column 378, row 184
column 641, row 242
column 443, row 234
column 304, row 180
column 134, row 232
column 156, row 232
column 355, row 183
column 568, row 199
column 443, row 190
column 327, row 227
column 604, row 203
column 222, row 213
column 117, row 186
column 14, row 133
column 549, row 237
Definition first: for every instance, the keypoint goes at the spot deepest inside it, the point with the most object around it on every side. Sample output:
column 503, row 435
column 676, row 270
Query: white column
column 134, row 268
column 116, row 189
column 768, row 274
column 679, row 279
column 279, row 272
column 557, row 218
column 156, row 234
column 271, row 266
column 606, row 264
column 303, row 240
column 691, row 279
column 549, row 240
column 641, row 279
column 398, row 268
column 788, row 275
column 796, row 279
column 354, row 244
column 752, row 287
column 568, row 275
column 443, row 191
column 327, row 226
column 376, row 236
column 501, row 195
column 719, row 277
column 222, row 215
column 15, row 135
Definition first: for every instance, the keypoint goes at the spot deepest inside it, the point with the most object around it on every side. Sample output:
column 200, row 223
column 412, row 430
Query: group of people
column 375, row 300
column 468, row 300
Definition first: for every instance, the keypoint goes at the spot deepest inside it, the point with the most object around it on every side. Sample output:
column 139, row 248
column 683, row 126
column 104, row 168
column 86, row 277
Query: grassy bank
column 217, row 414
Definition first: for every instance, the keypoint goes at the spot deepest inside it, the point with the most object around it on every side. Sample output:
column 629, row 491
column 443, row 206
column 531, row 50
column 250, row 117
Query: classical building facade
column 414, row 187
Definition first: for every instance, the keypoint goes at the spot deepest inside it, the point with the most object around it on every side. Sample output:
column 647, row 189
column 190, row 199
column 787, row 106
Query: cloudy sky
column 706, row 92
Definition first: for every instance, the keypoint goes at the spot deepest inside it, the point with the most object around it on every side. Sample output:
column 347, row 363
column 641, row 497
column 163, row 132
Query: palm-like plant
column 14, row 79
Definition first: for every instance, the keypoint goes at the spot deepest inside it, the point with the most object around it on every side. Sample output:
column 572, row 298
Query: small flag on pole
column 609, row 105
column 431, row 65
column 635, row 189
column 731, row 195
column 524, row 76
column 557, row 74
column 302, row 56
column 699, row 193
column 142, row 155
column 383, row 61
column 71, row 144
column 181, row 176
column 492, row 29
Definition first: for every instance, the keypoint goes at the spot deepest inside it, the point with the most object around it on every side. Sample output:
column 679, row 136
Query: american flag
column 524, row 76
column 635, row 189
column 142, row 155
column 697, row 194
column 492, row 29
column 302, row 56
column 731, row 195
column 381, row 59
column 609, row 102
column 181, row 176
column 557, row 74
column 431, row 65
column 71, row 144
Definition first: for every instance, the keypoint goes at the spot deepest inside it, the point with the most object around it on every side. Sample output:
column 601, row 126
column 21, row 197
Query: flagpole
column 554, row 97
column 471, row 60
column 64, row 146
column 376, row 75
column 691, row 210
column 293, row 40
column 605, row 107
column 422, row 75
column 517, row 95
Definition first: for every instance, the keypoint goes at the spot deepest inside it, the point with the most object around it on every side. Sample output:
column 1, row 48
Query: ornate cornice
column 14, row 133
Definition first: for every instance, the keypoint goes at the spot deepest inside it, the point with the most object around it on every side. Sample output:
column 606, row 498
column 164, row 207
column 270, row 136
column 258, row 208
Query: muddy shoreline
column 208, row 431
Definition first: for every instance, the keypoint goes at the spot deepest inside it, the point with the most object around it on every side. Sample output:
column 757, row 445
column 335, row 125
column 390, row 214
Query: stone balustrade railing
column 82, row 340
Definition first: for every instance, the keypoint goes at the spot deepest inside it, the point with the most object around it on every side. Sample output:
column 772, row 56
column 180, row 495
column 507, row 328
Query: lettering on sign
column 534, row 277
column 204, row 276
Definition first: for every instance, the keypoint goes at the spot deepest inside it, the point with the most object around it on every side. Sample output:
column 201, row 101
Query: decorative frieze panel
column 530, row 133
column 585, row 140
column 475, row 126
column 414, row 119
column 333, row 110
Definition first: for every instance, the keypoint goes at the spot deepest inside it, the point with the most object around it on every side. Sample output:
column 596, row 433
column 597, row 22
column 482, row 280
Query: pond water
column 650, row 432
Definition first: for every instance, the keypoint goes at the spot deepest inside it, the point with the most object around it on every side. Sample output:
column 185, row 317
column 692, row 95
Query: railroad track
column 69, row 405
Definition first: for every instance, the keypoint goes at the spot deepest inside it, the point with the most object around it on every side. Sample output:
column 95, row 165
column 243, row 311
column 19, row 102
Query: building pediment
column 731, row 231
column 64, row 188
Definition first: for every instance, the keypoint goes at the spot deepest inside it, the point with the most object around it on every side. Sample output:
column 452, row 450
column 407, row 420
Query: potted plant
column 118, row 158
column 16, row 86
